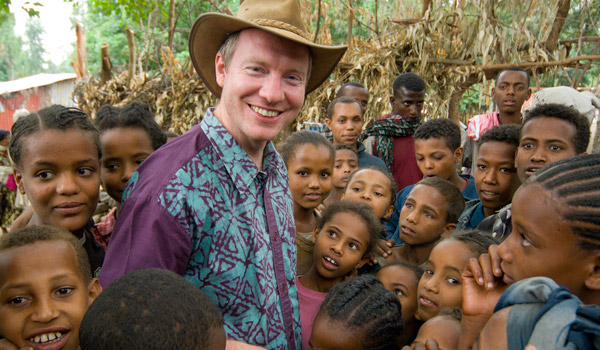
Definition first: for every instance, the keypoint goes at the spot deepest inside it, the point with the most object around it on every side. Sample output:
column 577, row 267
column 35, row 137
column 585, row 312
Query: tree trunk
column 106, row 74
column 318, row 22
column 559, row 21
column 350, row 20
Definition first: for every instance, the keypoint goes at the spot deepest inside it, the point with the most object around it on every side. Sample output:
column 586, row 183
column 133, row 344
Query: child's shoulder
column 470, row 191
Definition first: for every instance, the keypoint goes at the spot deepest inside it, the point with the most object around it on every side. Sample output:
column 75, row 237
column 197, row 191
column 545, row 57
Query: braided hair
column 364, row 304
column 134, row 115
column 576, row 182
column 55, row 117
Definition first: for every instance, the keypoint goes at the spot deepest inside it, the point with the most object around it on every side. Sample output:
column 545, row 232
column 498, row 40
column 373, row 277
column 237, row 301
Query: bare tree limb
column 318, row 22
column 171, row 23
column 559, row 21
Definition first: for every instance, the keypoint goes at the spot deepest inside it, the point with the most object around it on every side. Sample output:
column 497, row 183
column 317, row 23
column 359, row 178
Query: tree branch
column 559, row 21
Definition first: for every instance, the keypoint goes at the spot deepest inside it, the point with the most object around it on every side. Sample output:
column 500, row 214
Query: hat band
column 280, row 25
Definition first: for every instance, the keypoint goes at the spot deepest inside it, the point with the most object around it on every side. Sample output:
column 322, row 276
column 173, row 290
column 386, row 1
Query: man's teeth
column 331, row 260
column 265, row 112
column 48, row 337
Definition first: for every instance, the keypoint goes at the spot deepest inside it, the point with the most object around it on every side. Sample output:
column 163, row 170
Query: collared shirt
column 199, row 206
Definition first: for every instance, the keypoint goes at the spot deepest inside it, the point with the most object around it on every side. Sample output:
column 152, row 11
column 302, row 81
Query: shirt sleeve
column 145, row 236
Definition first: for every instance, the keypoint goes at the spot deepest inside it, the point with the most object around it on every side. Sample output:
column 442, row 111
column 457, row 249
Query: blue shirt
column 199, row 206
column 471, row 216
column 392, row 228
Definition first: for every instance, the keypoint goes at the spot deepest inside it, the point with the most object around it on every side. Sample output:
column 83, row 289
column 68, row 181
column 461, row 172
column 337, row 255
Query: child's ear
column 448, row 229
column 363, row 261
column 389, row 212
column 94, row 289
column 19, row 180
column 593, row 273
column 458, row 154
column 314, row 235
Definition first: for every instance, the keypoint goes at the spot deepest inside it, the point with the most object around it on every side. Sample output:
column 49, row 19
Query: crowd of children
column 445, row 261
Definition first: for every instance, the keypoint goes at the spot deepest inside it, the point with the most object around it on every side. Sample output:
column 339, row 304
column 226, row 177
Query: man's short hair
column 410, row 81
column 514, row 69
column 440, row 128
column 348, row 84
column 150, row 309
column 568, row 114
column 33, row 234
column 343, row 99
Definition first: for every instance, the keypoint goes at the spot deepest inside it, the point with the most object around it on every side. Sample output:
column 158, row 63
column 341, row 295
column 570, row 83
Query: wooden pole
column 80, row 62
column 171, row 23
column 106, row 73
column 131, row 43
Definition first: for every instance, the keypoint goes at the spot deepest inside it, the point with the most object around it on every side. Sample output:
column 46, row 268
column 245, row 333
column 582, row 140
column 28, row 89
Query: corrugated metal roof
column 37, row 80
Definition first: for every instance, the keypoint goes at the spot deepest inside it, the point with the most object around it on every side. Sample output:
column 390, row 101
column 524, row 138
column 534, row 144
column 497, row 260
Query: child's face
column 340, row 245
column 407, row 103
column 496, row 177
column 309, row 170
column 123, row 150
column 346, row 163
column 440, row 286
column 330, row 335
column 346, row 123
column 60, row 173
column 43, row 296
column 372, row 188
column 542, row 243
column 423, row 217
column 435, row 158
column 444, row 329
column 544, row 141
column 402, row 282
column 360, row 94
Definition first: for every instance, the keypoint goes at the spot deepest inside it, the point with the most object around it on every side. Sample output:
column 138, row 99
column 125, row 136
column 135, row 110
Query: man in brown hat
column 214, row 204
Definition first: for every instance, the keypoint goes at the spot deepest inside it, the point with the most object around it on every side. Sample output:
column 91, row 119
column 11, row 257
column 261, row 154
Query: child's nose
column 67, row 184
column 431, row 284
column 337, row 248
column 490, row 177
column 428, row 163
column 129, row 170
column 44, row 311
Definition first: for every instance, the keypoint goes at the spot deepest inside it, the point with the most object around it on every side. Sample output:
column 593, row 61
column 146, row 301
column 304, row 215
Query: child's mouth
column 49, row 341
column 47, row 337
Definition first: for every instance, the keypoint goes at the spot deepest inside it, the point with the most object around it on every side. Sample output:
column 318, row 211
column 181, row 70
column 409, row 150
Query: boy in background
column 390, row 137
column 356, row 91
column 345, row 120
column 437, row 152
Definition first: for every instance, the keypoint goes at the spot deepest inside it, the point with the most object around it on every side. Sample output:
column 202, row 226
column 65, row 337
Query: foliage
column 11, row 49
column 35, row 63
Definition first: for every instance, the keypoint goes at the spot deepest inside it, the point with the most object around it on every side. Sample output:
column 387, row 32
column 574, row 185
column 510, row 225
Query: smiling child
column 45, row 288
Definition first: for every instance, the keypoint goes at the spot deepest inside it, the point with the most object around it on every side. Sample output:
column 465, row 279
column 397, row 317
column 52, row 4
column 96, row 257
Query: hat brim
column 211, row 29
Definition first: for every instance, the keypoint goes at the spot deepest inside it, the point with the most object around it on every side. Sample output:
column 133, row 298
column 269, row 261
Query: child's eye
column 84, row 171
column 64, row 291
column 332, row 234
column 302, row 173
column 337, row 166
column 429, row 214
column 353, row 246
column 379, row 194
column 408, row 205
column 353, row 166
column 325, row 174
column 140, row 161
column 419, row 159
column 527, row 146
column 429, row 271
column 398, row 292
column 111, row 166
column 452, row 280
column 524, row 241
column 555, row 148
column 481, row 167
column 507, row 170
column 45, row 175
column 356, row 189
column 16, row 301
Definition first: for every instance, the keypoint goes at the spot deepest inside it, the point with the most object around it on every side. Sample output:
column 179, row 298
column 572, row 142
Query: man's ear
column 94, row 289
column 448, row 229
column 458, row 154
column 528, row 94
column 392, row 100
column 220, row 69
column 328, row 123
column 19, row 180
column 592, row 280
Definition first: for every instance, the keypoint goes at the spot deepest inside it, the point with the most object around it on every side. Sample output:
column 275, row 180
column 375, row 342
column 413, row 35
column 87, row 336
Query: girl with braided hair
column 359, row 314
column 556, row 234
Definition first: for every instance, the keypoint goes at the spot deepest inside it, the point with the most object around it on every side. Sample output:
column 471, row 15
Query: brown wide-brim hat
column 279, row 17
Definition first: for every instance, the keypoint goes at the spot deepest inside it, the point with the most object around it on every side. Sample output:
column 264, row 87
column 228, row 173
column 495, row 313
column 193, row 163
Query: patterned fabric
column 200, row 207
column 385, row 129
column 471, row 216
column 103, row 230
column 498, row 225
column 481, row 123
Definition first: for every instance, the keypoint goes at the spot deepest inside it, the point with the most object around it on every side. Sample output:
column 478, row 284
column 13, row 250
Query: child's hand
column 482, row 283
column 430, row 344
column 6, row 345
column 382, row 248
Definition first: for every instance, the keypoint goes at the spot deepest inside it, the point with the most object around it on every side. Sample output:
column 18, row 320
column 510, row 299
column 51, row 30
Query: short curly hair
column 568, row 114
column 440, row 128
column 508, row 133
